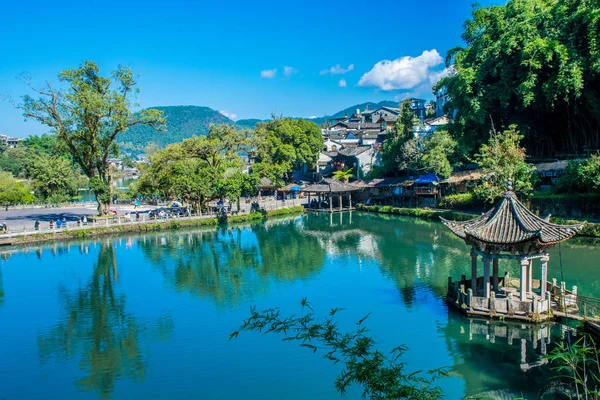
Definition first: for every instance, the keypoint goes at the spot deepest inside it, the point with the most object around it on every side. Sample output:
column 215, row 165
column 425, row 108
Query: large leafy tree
column 201, row 168
column 53, row 178
column 501, row 159
column 285, row 144
column 88, row 116
column 534, row 63
column 396, row 152
column 437, row 150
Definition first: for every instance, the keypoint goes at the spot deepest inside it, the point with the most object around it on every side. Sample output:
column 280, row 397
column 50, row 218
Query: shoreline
column 142, row 227
column 590, row 230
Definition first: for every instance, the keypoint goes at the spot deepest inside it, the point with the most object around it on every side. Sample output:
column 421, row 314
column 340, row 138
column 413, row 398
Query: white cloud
column 312, row 117
column 435, row 77
column 228, row 114
column 337, row 70
column 268, row 73
column 402, row 73
column 289, row 71
column 342, row 83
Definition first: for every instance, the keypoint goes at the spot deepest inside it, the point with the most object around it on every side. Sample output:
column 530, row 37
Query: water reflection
column 97, row 329
column 231, row 266
column 492, row 356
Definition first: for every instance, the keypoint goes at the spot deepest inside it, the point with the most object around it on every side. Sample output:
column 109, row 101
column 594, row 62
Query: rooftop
column 329, row 185
column 509, row 226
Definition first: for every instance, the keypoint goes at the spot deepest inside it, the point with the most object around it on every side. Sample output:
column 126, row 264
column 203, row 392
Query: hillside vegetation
column 182, row 122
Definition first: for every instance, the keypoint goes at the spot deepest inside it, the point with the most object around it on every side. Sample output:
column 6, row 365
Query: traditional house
column 461, row 181
column 549, row 172
column 427, row 192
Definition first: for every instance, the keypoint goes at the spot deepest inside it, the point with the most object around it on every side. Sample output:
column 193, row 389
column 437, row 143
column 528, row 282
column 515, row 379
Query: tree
column 15, row 161
column 285, row 144
column 201, row 168
column 53, row 178
column 580, row 176
column 394, row 149
column 13, row 191
column 343, row 175
column 88, row 117
column 438, row 147
column 502, row 159
column 380, row 376
column 534, row 63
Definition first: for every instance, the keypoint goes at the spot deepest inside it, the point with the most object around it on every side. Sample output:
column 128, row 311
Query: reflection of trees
column 286, row 253
column 210, row 263
column 491, row 356
column 232, row 265
column 97, row 328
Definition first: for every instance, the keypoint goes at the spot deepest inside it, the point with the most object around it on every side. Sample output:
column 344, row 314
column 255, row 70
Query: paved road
column 17, row 219
column 25, row 218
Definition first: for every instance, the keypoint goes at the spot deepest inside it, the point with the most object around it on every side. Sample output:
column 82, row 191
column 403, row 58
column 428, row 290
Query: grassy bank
column 590, row 230
column 149, row 227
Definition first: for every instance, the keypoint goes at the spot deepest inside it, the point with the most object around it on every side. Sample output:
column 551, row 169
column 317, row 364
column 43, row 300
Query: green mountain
column 187, row 121
column 182, row 122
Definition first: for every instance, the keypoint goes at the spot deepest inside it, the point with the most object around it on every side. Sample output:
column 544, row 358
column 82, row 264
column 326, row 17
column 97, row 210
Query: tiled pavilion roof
column 510, row 226
column 328, row 185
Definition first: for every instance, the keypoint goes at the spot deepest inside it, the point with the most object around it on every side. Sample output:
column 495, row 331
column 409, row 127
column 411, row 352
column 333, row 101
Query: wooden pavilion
column 328, row 191
column 510, row 231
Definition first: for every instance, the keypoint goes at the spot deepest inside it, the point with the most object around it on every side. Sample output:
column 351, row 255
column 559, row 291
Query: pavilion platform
column 330, row 196
column 511, row 232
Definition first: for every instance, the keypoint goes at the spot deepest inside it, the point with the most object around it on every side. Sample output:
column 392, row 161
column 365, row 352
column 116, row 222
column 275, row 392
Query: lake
column 149, row 316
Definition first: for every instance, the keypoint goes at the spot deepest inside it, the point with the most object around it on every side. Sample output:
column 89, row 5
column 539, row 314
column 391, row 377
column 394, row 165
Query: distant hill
column 351, row 110
column 187, row 121
column 182, row 122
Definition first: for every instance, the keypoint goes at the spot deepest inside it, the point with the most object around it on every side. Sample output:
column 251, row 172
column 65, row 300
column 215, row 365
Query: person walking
column 36, row 225
column 85, row 222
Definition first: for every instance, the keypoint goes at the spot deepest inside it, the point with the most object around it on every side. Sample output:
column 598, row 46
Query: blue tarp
column 429, row 178
column 295, row 189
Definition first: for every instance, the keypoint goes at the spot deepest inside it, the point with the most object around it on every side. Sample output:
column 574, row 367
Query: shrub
column 459, row 200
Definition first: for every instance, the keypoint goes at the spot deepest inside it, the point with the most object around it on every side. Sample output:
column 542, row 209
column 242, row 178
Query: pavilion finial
column 509, row 185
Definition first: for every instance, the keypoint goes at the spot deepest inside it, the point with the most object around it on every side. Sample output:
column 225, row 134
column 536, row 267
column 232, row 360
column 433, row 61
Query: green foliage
column 182, row 122
column 535, row 63
column 580, row 176
column 15, row 161
column 424, row 213
column 459, row 200
column 53, row 178
column 438, row 148
column 343, row 175
column 89, row 116
column 502, row 159
column 380, row 376
column 14, row 191
column 284, row 144
column 578, row 366
column 400, row 150
column 201, row 168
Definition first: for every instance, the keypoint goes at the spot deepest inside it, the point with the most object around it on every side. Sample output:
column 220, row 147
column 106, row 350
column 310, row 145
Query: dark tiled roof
column 509, row 224
column 353, row 150
column 328, row 185
column 362, row 125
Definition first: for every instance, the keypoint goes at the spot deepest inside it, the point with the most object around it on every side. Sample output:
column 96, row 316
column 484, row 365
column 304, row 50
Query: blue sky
column 246, row 59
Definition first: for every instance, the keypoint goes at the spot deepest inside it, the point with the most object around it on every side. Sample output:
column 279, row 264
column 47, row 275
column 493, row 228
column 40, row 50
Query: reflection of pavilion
column 510, row 231
column 491, row 356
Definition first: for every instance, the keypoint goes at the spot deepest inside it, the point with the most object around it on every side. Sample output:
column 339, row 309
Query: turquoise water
column 149, row 316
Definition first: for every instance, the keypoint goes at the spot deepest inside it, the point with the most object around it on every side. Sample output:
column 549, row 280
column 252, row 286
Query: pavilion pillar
column 350, row 200
column 530, row 277
column 473, row 271
column 486, row 277
column 495, row 273
column 308, row 199
column 320, row 202
column 330, row 202
column 341, row 208
column 523, row 280
column 544, row 280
